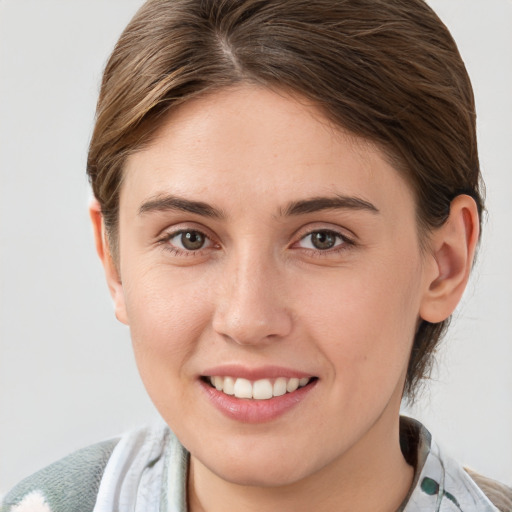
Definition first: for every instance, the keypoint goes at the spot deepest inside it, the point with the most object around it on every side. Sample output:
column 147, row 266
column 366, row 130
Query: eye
column 321, row 240
column 189, row 240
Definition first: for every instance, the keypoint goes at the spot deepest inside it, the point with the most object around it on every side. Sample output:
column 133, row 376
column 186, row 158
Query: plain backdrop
column 67, row 375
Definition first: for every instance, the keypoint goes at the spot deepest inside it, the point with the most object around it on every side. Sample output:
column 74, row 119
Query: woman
column 287, row 209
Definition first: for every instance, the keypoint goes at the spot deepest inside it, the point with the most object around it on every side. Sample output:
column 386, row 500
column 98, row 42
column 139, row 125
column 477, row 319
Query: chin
column 257, row 465
column 267, row 474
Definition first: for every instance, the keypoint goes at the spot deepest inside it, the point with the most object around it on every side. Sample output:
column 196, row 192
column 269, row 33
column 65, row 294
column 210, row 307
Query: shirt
column 146, row 471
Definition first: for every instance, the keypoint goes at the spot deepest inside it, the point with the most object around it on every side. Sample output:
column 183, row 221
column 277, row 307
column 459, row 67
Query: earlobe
column 111, row 271
column 453, row 248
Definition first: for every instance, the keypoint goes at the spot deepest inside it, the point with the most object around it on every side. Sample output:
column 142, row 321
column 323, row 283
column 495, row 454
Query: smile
column 256, row 395
column 262, row 389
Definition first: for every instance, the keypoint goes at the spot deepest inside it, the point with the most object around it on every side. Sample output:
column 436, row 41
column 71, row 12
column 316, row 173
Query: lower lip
column 255, row 411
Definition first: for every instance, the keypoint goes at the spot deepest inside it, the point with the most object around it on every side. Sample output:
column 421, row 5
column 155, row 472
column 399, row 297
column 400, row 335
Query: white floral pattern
column 32, row 502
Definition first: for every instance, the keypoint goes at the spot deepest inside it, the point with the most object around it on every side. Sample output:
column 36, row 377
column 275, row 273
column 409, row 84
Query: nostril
column 253, row 327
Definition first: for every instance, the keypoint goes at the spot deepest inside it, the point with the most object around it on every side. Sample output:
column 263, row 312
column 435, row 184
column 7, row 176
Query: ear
column 111, row 271
column 452, row 249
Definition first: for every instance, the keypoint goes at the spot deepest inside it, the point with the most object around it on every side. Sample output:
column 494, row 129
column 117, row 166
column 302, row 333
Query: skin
column 258, row 293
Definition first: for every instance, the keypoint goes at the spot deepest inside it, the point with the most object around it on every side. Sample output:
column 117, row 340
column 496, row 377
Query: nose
column 251, row 304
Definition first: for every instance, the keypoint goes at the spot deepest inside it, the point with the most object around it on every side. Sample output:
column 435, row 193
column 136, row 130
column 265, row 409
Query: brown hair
column 386, row 70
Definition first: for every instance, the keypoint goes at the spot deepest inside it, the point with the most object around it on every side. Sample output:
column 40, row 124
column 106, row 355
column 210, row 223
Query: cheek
column 167, row 318
column 167, row 315
column 364, row 322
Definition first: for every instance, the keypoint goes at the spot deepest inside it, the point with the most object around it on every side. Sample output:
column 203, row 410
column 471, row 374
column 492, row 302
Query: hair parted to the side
column 385, row 70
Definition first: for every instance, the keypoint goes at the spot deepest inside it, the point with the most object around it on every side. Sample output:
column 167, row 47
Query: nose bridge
column 251, row 306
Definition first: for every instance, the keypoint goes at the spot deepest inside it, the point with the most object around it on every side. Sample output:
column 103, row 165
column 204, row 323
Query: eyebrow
column 338, row 202
column 165, row 203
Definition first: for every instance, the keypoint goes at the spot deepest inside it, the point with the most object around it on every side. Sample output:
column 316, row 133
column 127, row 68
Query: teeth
column 229, row 385
column 292, row 385
column 279, row 386
column 262, row 389
column 218, row 383
column 303, row 381
column 243, row 388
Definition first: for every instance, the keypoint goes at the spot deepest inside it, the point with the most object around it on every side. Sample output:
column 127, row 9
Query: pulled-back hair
column 385, row 70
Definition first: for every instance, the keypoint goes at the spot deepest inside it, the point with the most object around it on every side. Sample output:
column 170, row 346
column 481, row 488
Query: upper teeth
column 262, row 389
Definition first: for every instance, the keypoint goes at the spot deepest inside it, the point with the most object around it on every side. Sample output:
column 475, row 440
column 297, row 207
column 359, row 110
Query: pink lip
column 267, row 372
column 254, row 411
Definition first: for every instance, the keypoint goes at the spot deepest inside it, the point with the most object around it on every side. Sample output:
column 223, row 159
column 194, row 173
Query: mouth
column 261, row 389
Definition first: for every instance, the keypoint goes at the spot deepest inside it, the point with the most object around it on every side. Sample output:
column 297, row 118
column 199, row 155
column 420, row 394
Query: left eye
column 321, row 240
column 189, row 240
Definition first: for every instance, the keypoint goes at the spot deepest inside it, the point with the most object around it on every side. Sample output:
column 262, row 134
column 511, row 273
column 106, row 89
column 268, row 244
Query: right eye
column 188, row 240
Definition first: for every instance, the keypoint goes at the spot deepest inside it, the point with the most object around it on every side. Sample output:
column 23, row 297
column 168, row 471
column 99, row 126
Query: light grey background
column 67, row 376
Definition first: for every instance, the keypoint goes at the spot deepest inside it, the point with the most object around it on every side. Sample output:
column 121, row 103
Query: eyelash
column 165, row 241
column 342, row 242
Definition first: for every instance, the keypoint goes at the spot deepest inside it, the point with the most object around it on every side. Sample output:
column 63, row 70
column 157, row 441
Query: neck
column 373, row 475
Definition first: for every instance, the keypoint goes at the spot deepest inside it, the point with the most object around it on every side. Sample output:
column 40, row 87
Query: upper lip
column 253, row 374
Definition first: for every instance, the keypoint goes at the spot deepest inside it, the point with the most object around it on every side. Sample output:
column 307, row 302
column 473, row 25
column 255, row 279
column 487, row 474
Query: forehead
column 251, row 142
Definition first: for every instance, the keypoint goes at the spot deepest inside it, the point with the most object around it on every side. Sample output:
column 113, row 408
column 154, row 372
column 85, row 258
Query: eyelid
column 176, row 234
column 167, row 234
column 348, row 241
column 344, row 233
column 342, row 240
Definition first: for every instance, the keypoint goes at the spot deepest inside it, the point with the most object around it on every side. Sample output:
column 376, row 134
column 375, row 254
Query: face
column 263, row 249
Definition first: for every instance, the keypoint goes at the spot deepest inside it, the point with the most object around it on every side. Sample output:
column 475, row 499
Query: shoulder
column 454, row 486
column 146, row 467
column 499, row 494
column 441, row 483
column 69, row 485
